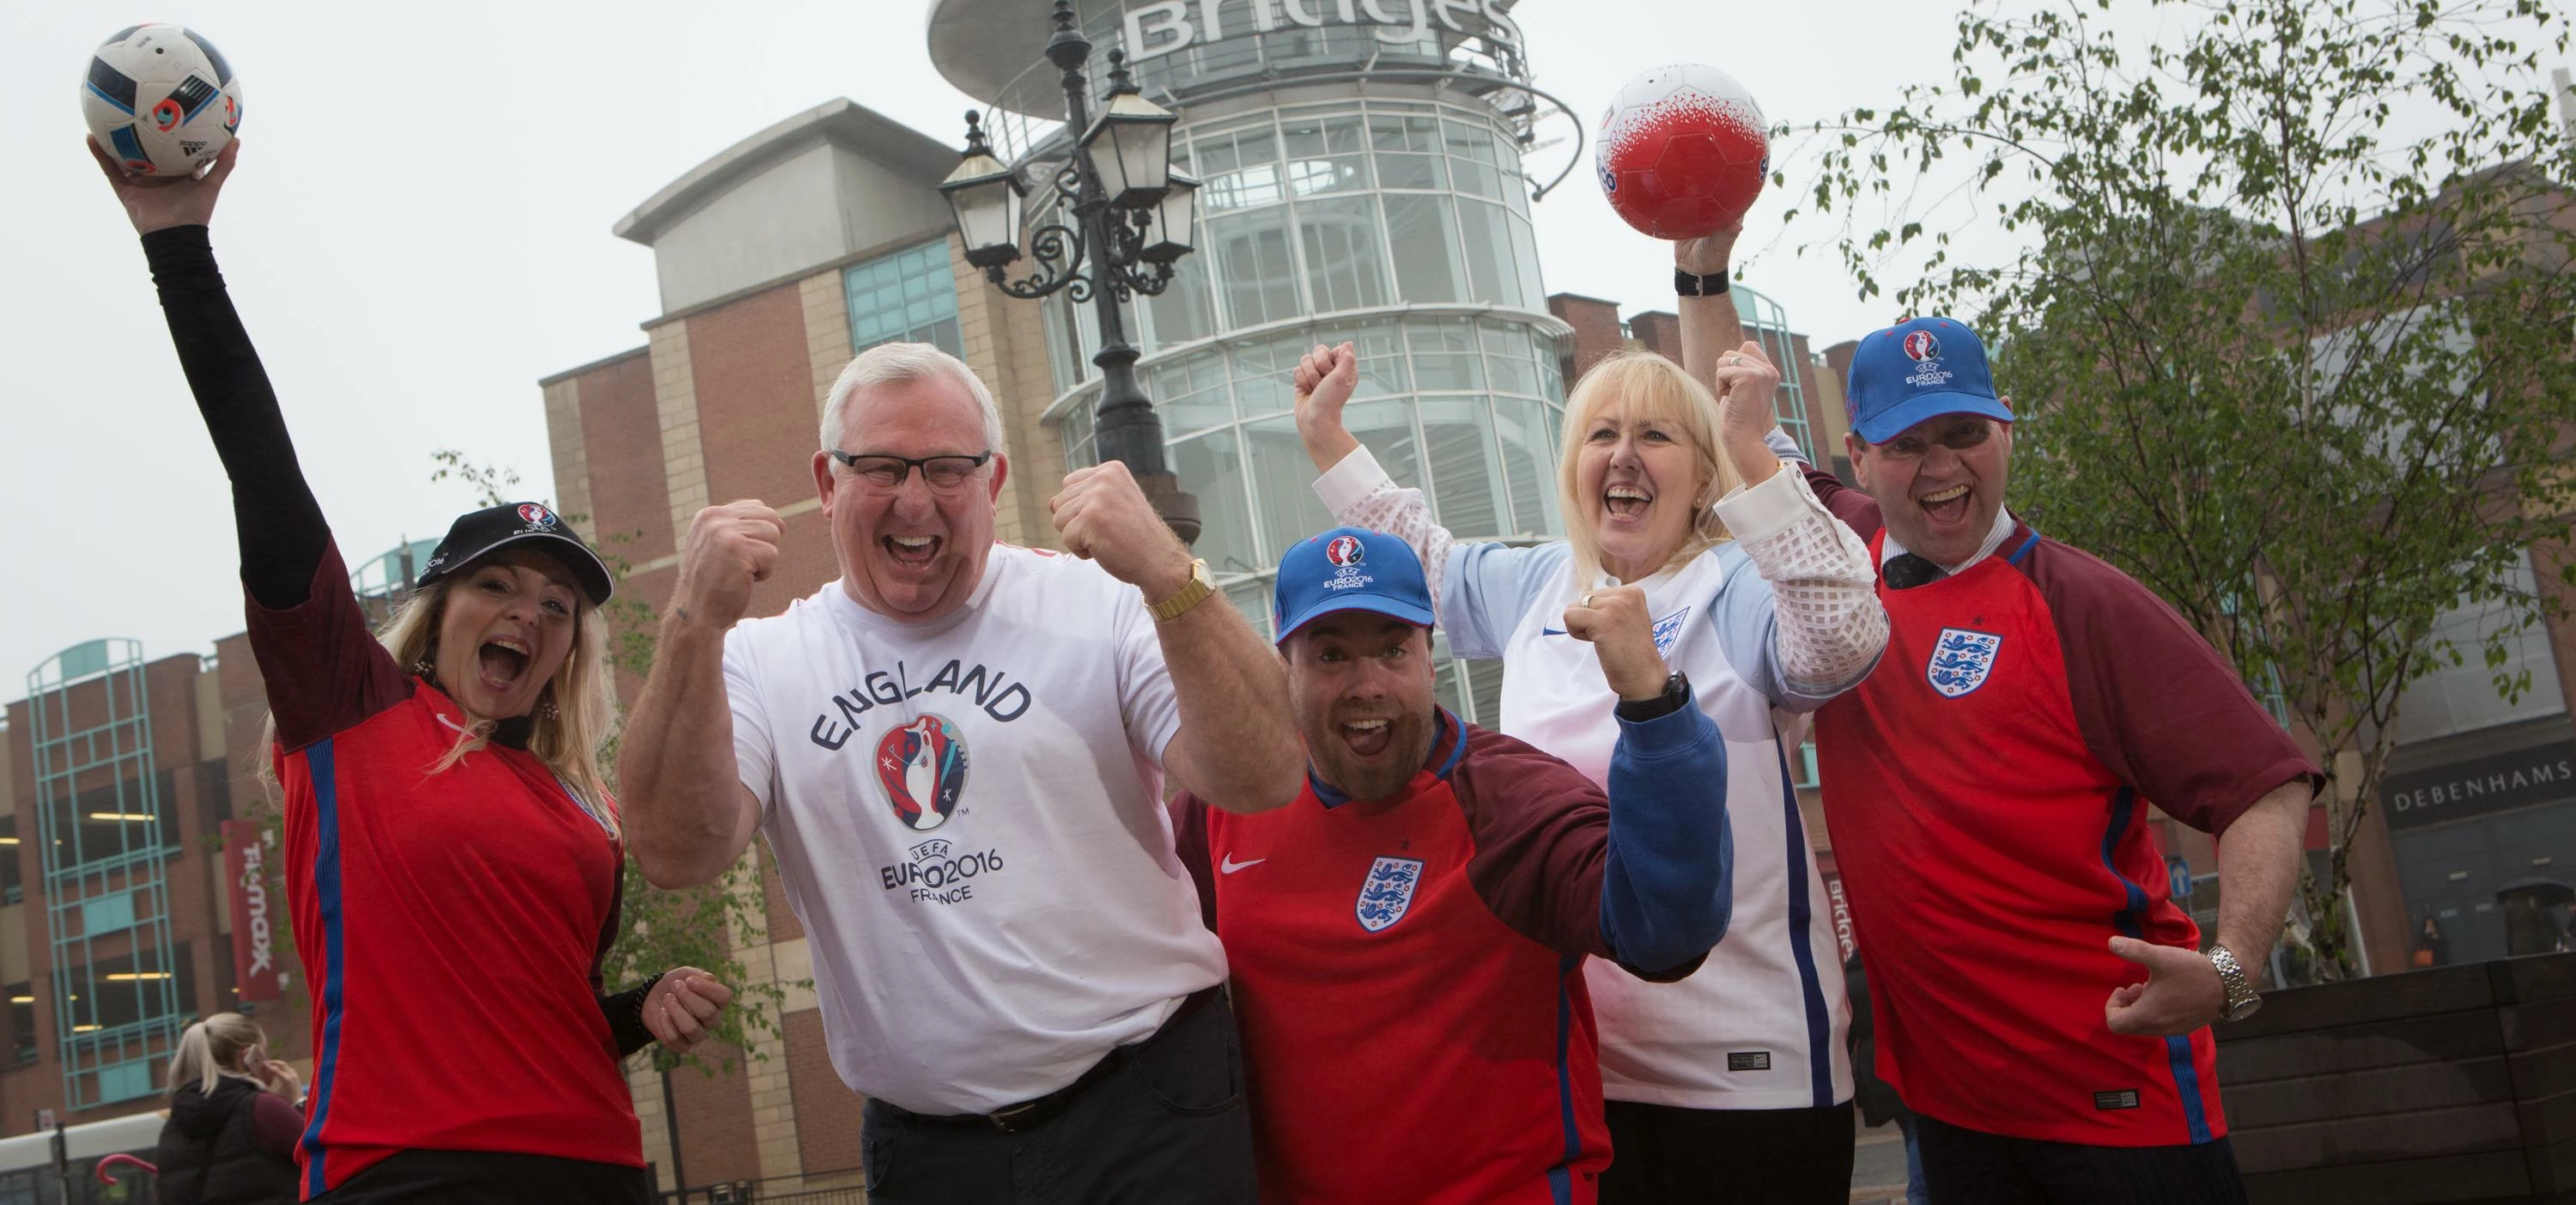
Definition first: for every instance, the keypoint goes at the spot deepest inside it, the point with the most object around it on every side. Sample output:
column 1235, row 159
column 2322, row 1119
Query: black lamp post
column 1132, row 219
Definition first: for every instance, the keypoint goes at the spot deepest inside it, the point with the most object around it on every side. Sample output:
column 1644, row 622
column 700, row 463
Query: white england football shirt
column 968, row 819
column 1768, row 626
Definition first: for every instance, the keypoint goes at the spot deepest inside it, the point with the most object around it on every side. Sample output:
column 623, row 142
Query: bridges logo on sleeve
column 1961, row 659
column 922, row 767
column 1388, row 892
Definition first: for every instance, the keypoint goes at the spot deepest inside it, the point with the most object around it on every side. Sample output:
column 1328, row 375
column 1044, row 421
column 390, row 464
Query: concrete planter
column 2455, row 1084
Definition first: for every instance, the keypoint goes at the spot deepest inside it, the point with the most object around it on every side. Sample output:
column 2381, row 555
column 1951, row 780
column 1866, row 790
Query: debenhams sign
column 1159, row 29
column 2487, row 784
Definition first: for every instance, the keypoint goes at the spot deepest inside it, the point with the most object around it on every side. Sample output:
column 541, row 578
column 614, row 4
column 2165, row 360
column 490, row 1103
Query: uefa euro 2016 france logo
column 1961, row 659
column 1921, row 346
column 922, row 767
column 535, row 516
column 1345, row 551
column 1387, row 894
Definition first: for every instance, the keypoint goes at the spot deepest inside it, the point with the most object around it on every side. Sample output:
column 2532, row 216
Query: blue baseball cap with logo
column 1349, row 569
column 1916, row 370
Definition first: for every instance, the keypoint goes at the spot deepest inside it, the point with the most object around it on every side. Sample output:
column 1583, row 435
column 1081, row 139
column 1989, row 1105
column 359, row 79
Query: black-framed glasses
column 937, row 472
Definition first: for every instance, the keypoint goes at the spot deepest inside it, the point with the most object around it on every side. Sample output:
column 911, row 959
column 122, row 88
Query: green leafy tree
column 2281, row 291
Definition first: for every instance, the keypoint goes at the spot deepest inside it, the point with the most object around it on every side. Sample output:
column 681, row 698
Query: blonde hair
column 584, row 692
column 210, row 1050
column 1650, row 382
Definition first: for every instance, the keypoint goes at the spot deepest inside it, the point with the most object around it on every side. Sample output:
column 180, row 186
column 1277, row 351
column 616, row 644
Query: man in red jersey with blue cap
column 1407, row 938
column 2039, row 1001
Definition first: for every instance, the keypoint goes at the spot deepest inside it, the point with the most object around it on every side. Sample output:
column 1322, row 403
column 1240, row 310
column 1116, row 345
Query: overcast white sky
column 419, row 230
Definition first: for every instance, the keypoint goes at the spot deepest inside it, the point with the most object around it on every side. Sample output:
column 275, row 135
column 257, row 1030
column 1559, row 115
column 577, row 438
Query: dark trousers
column 1665, row 1155
column 1971, row 1167
column 1167, row 1126
column 446, row 1177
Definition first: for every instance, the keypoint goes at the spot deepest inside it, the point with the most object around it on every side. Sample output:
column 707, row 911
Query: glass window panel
column 1283, row 481
column 1507, row 359
column 1262, row 373
column 1491, row 274
column 1528, row 462
column 1253, row 262
column 1345, row 265
column 1525, row 257
column 1252, row 597
column 1458, row 442
column 907, row 295
column 1075, row 429
column 1186, row 310
column 1423, row 233
column 1485, row 690
column 1444, row 680
column 1408, row 152
column 1444, row 355
column 1211, row 467
column 1386, row 430
column 1324, row 154
column 1471, row 159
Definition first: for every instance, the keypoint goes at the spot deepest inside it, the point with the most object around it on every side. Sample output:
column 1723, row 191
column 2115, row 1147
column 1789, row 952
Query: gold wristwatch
column 1179, row 604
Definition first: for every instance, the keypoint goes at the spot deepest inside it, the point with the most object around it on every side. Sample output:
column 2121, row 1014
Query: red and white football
column 1682, row 151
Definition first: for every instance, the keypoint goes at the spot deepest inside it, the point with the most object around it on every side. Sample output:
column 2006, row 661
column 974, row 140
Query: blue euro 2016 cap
column 1916, row 370
column 1349, row 569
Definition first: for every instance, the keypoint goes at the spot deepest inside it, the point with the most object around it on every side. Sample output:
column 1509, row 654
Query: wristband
column 1690, row 284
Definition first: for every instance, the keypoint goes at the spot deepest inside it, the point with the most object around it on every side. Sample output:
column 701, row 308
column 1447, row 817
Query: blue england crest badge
column 1668, row 630
column 1961, row 659
column 1388, row 893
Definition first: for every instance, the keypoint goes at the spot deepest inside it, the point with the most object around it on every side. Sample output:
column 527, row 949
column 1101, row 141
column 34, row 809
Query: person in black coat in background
column 1877, row 1100
column 233, row 1121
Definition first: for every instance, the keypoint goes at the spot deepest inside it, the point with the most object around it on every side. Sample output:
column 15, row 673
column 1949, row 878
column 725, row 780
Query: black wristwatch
column 1691, row 284
column 1676, row 695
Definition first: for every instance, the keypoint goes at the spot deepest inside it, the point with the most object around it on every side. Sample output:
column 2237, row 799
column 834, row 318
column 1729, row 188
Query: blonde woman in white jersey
column 1732, row 1084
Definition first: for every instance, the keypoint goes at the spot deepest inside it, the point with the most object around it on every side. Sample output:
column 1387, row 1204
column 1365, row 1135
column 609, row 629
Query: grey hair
column 894, row 364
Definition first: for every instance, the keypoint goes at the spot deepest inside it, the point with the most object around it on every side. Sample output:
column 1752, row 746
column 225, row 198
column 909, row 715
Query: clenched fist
column 1104, row 517
column 731, row 548
column 1324, row 379
column 1614, row 620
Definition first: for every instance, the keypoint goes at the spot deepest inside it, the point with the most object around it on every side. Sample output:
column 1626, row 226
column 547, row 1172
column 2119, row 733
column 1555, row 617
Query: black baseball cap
column 478, row 534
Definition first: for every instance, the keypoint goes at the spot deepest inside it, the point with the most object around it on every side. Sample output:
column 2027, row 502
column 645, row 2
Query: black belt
column 1030, row 1114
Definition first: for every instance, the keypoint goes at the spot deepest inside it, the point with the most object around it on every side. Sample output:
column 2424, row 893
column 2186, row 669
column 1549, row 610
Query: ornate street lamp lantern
column 1131, row 220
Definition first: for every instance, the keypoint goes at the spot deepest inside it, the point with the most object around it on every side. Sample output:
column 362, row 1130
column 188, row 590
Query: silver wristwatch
column 2241, row 1000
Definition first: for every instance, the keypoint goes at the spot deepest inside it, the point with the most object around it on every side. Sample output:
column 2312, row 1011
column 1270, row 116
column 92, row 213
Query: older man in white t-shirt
column 957, row 753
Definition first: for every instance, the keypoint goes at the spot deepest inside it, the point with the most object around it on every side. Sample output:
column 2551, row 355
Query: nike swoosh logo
column 1230, row 866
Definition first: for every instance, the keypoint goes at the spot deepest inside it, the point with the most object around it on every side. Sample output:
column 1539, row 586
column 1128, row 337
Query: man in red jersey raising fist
column 1407, row 938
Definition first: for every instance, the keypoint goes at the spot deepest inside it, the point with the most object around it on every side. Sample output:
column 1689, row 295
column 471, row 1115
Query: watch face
column 2243, row 1009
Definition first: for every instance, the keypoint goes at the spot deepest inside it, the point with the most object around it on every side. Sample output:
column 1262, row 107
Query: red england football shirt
column 449, row 923
column 1986, row 789
column 1408, row 974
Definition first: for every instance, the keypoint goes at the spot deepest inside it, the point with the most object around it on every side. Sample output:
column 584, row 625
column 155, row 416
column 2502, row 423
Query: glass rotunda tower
column 1363, row 179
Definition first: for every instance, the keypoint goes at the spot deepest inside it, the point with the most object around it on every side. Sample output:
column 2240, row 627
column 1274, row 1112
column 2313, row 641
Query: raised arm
column 1237, row 745
column 688, row 816
column 278, row 523
column 323, row 669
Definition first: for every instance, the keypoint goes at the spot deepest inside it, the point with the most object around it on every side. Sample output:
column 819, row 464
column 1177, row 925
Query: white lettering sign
column 1155, row 30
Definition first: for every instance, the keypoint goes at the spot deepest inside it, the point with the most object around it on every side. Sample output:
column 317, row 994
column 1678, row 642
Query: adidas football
column 161, row 99
column 1682, row 151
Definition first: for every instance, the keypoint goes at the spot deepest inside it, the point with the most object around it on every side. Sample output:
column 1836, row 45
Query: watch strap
column 1187, row 597
column 1691, row 284
column 2242, row 999
column 1638, row 711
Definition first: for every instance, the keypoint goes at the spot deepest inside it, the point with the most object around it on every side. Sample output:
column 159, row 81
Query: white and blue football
column 161, row 99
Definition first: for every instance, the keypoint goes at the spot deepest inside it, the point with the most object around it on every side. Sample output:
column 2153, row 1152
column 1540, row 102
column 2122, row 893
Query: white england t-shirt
column 968, row 820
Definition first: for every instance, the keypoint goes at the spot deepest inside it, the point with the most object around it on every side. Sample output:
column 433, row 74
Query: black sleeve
column 625, row 1014
column 278, row 523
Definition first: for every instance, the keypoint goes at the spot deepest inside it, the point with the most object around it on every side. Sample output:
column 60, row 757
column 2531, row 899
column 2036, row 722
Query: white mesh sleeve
column 1360, row 494
column 1831, row 627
